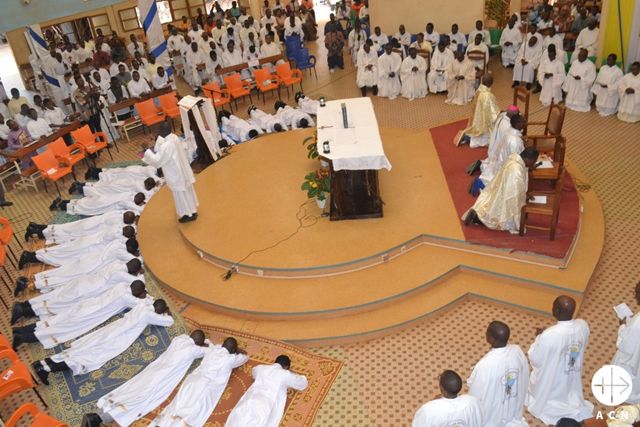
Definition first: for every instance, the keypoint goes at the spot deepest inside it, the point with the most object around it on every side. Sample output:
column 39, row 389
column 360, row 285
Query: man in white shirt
column 135, row 46
column 527, row 62
column 486, row 36
column 137, row 87
column 440, row 62
column 379, row 39
column 557, row 358
column 264, row 402
column 268, row 18
column 499, row 380
column 476, row 45
column 452, row 409
column 367, row 75
column 137, row 66
column 605, row 88
column 269, row 49
column 403, row 37
column 80, row 54
column 52, row 114
column 195, row 33
column 389, row 64
column 38, row 126
column 628, row 350
column 195, row 68
column 413, row 72
column 552, row 38
column 629, row 92
column 177, row 47
column 510, row 42
column 161, row 80
column 588, row 39
column 293, row 26
column 431, row 35
column 578, row 83
column 456, row 39
column 551, row 76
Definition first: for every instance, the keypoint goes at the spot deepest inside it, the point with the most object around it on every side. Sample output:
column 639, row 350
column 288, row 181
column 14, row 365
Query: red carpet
column 454, row 161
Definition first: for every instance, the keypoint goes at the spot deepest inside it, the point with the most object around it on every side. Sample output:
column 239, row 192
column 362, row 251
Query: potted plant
column 311, row 144
column 317, row 184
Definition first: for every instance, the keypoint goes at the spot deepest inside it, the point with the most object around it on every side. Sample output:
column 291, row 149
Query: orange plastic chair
column 16, row 377
column 38, row 418
column 6, row 232
column 169, row 105
column 4, row 343
column 149, row 113
column 237, row 87
column 91, row 143
column 288, row 76
column 69, row 155
column 50, row 168
column 266, row 82
column 219, row 96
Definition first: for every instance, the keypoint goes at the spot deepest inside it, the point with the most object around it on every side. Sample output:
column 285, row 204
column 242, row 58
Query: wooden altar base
column 355, row 194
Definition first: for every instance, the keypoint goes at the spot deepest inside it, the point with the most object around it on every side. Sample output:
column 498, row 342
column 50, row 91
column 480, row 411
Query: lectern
column 355, row 154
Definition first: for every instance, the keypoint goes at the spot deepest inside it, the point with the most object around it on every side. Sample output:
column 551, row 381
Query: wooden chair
column 475, row 55
column 38, row 418
column 219, row 96
column 16, row 377
column 266, row 82
column 91, row 143
column 552, row 127
column 556, row 153
column 521, row 99
column 289, row 76
column 50, row 168
column 237, row 87
column 549, row 209
column 67, row 154
column 149, row 113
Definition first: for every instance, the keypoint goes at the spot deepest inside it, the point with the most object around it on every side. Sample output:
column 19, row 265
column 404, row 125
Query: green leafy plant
column 498, row 10
column 317, row 184
column 310, row 143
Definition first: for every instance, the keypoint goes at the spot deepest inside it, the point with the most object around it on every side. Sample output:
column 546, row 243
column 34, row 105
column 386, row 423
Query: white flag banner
column 39, row 46
column 155, row 36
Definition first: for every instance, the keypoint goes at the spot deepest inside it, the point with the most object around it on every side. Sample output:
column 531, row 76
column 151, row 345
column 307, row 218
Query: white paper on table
column 546, row 164
column 52, row 171
column 539, row 199
column 623, row 311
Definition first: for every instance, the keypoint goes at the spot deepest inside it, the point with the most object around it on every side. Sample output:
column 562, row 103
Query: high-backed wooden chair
column 521, row 99
column 552, row 129
column 556, row 153
column 476, row 55
column 550, row 209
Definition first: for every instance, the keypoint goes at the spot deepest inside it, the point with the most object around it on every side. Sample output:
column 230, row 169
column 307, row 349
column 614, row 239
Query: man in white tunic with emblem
column 557, row 357
column 628, row 350
column 172, row 155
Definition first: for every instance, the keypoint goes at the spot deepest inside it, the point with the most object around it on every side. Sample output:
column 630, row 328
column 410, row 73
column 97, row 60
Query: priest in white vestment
column 367, row 74
column 149, row 388
column 629, row 92
column 527, row 62
column 588, row 39
column 457, row 40
column 510, row 41
column 90, row 352
column 306, row 104
column 440, row 62
column 628, row 350
column 65, row 297
column 90, row 206
column 389, row 64
column 452, row 409
column 202, row 389
column 148, row 186
column 578, row 83
column 237, row 129
column 62, row 233
column 551, row 76
column 558, row 41
column 501, row 129
column 461, row 77
column 499, row 380
column 264, row 402
column 499, row 205
column 171, row 154
column 485, row 112
column 85, row 316
column 133, row 172
column 413, row 73
column 267, row 122
column 196, row 60
column 431, row 35
column 557, row 357
column 294, row 118
column 478, row 46
column 355, row 40
column 605, row 88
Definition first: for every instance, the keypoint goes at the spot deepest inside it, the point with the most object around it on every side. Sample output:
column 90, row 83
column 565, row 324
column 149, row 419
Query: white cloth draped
column 414, row 83
column 579, row 91
column 628, row 354
column 499, row 381
column 587, row 39
column 555, row 386
column 464, row 410
column 264, row 402
column 389, row 87
column 492, row 163
column 90, row 206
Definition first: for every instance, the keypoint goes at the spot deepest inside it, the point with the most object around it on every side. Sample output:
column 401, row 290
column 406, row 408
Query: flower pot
column 322, row 203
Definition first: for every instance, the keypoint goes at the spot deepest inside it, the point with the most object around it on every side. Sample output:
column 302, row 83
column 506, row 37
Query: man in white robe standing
column 356, row 39
column 588, row 39
column 413, row 72
column 440, row 62
column 171, row 154
column 461, row 77
column 510, row 42
column 557, row 357
column 629, row 92
column 628, row 350
column 499, row 380
column 499, row 205
column 264, row 402
column 452, row 409
column 94, row 350
column 367, row 75
column 551, row 76
column 605, row 88
column 578, row 83
column 149, row 388
column 201, row 390
column 88, row 314
column 527, row 61
column 389, row 64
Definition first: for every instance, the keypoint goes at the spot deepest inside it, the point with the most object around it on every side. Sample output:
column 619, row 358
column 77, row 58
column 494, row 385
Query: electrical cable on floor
column 302, row 216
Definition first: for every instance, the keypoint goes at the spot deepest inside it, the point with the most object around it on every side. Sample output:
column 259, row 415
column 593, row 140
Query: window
column 130, row 19
column 100, row 22
column 164, row 12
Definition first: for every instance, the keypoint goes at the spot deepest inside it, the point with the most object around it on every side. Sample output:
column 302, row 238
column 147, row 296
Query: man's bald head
column 129, row 217
column 568, row 422
column 231, row 344
column 164, row 129
column 498, row 334
column 198, row 337
column 564, row 307
column 450, row 384
column 487, row 80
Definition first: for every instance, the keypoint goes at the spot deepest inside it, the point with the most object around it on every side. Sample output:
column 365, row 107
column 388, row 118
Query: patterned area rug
column 301, row 407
